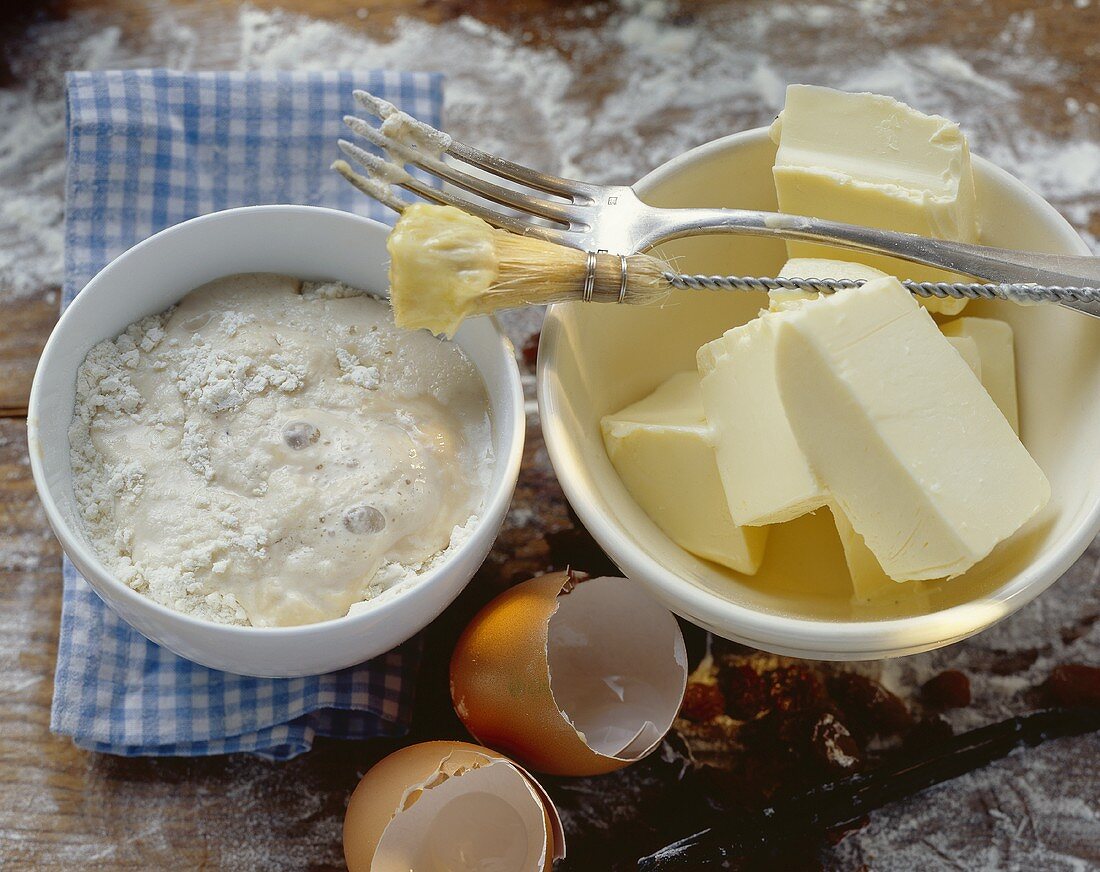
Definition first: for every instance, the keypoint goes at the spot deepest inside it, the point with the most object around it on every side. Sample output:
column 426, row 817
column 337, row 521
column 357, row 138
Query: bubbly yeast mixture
column 271, row 453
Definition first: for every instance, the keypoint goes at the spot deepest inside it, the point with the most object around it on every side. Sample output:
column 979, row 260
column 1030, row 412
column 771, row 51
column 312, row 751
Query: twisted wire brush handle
column 962, row 290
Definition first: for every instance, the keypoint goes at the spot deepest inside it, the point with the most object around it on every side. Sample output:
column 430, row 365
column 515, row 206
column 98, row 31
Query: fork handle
column 980, row 261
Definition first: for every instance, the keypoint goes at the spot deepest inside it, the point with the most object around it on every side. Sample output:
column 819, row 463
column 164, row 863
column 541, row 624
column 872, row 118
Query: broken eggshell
column 450, row 807
column 570, row 677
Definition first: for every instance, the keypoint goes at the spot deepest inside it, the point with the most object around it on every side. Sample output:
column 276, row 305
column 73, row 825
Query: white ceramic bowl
column 310, row 243
column 595, row 359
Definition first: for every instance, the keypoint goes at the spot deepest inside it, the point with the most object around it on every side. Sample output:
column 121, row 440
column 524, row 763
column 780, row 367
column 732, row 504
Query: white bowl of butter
column 595, row 360
column 286, row 617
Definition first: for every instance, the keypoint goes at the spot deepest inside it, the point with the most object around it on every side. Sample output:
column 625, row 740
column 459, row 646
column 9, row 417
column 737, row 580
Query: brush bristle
column 535, row 272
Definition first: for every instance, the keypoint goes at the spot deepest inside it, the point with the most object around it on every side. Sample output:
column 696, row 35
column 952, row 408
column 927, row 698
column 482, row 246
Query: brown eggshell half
column 503, row 690
column 387, row 812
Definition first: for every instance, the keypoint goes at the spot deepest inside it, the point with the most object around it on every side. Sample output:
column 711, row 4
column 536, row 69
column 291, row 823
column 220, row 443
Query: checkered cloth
column 148, row 149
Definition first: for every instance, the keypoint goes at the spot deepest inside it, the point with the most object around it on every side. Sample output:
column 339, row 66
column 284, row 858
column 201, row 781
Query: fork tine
column 568, row 188
column 382, row 174
column 377, row 167
column 490, row 216
column 372, row 187
column 559, row 212
column 423, row 135
column 573, row 189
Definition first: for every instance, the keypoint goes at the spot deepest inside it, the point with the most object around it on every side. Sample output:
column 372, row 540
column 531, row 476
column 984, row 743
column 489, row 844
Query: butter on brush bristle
column 446, row 265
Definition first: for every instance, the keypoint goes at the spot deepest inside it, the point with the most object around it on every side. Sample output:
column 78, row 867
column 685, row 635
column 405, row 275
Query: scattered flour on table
column 659, row 77
column 273, row 453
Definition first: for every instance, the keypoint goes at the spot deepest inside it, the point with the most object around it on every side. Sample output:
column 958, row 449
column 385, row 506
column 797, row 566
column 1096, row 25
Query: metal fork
column 613, row 219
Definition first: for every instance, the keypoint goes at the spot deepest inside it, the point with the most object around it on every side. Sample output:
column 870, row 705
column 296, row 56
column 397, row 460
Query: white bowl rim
column 496, row 503
column 773, row 630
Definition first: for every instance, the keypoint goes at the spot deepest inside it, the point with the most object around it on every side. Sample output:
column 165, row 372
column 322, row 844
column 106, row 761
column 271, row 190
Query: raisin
column 745, row 691
column 948, row 690
column 702, row 702
column 1078, row 629
column 1073, row 684
column 834, row 746
column 869, row 705
column 531, row 350
column 794, row 688
column 1015, row 662
column 791, row 728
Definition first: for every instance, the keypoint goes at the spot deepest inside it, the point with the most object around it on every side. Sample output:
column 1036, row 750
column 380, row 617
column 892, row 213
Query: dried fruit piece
column 1073, row 684
column 869, row 705
column 702, row 702
column 745, row 691
column 950, row 689
column 794, row 688
column 531, row 350
column 834, row 746
column 1015, row 662
column 790, row 728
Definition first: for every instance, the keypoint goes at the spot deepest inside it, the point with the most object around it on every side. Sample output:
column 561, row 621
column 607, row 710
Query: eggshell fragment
column 570, row 677
column 450, row 807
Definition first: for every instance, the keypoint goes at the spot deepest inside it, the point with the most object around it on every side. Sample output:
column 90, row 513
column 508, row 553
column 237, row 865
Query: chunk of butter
column 874, row 161
column 660, row 447
column 766, row 476
column 901, row 433
column 993, row 340
column 968, row 351
column 869, row 582
column 818, row 268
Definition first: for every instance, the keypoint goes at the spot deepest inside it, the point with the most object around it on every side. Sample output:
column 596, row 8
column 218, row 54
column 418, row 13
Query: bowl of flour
column 250, row 463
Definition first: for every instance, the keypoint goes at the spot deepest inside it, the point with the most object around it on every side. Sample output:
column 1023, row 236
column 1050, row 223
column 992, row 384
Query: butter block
column 994, row 342
column 968, row 351
column 874, row 161
column 869, row 581
column 818, row 268
column 901, row 433
column 870, row 584
column 766, row 476
column 824, row 268
column 660, row 447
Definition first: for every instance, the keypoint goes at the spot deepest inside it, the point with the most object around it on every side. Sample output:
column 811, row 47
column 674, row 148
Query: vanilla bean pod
column 734, row 842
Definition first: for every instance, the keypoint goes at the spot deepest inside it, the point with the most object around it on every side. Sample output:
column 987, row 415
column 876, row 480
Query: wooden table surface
column 62, row 808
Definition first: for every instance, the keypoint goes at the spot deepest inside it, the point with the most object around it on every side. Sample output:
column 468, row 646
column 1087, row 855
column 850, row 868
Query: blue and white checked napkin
column 148, row 149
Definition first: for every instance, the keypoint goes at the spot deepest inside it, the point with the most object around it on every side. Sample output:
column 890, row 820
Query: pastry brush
column 446, row 264
column 608, row 225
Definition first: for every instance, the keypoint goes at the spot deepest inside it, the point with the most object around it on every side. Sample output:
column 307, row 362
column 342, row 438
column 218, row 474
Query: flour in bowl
column 272, row 452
